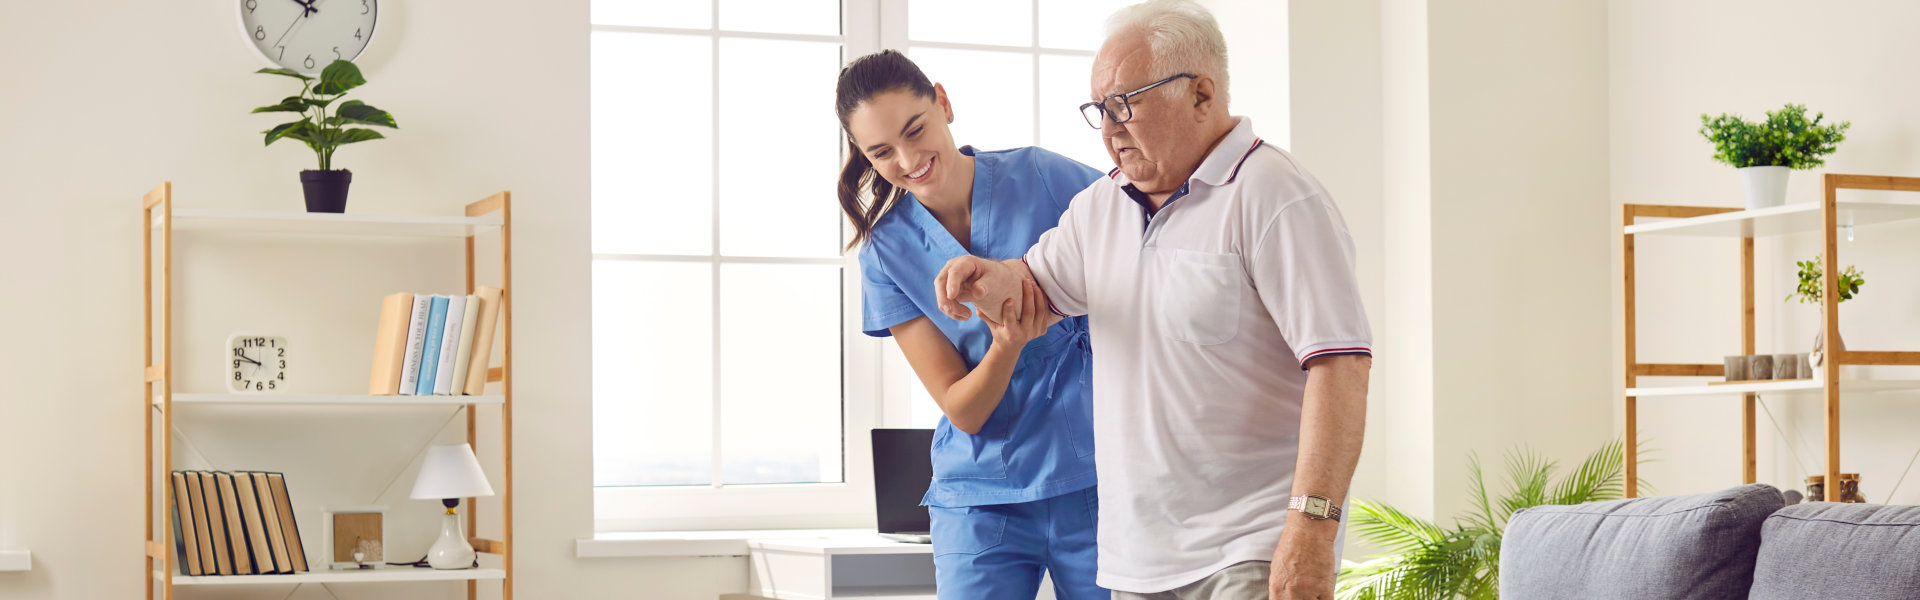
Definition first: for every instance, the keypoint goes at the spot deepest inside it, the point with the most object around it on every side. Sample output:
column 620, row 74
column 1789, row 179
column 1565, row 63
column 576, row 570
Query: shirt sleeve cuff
column 1334, row 349
column 1036, row 279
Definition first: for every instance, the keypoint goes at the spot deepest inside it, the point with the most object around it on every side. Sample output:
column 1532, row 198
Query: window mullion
column 718, row 380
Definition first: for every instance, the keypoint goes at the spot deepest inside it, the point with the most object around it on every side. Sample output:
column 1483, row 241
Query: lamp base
column 451, row 551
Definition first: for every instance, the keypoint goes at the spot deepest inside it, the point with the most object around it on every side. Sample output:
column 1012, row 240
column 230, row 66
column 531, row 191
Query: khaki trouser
column 1241, row 581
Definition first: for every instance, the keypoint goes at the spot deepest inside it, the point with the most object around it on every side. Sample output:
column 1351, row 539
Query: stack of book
column 238, row 523
column 433, row 344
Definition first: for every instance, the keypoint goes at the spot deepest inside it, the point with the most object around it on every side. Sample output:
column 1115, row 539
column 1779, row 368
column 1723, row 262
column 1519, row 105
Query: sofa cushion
column 1699, row 546
column 1831, row 550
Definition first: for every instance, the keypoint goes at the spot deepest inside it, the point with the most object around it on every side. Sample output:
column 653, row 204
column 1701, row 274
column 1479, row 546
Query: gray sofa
column 1737, row 543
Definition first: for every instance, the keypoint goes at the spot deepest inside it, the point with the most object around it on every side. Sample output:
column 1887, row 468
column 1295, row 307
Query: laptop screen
column 902, row 470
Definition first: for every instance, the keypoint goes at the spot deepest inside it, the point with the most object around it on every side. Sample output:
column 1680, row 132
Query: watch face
column 307, row 35
column 257, row 363
column 1316, row 506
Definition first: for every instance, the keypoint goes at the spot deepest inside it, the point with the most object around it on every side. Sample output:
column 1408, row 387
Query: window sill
column 669, row 544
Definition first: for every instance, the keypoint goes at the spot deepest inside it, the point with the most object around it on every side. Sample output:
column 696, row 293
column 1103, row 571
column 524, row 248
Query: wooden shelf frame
column 493, row 214
column 1830, row 382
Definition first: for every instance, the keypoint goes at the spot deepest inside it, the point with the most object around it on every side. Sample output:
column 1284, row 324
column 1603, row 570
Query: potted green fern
column 1765, row 152
column 1424, row 561
column 325, row 132
column 1810, row 290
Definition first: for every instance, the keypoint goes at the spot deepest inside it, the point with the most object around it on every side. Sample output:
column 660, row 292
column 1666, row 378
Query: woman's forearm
column 969, row 401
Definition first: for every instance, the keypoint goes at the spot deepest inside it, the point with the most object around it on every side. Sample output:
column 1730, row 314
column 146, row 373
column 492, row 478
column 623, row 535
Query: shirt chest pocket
column 1200, row 295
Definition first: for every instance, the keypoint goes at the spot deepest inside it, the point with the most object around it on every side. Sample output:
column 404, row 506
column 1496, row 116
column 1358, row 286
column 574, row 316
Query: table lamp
column 448, row 474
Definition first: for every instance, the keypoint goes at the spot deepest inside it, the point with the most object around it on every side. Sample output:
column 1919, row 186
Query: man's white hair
column 1182, row 37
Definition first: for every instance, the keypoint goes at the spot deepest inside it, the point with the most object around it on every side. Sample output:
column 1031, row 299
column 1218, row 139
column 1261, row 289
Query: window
column 731, row 389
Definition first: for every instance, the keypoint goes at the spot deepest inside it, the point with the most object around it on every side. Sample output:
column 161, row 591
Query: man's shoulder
column 1272, row 177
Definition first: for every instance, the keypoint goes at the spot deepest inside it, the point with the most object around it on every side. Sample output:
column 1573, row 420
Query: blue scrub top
column 1038, row 443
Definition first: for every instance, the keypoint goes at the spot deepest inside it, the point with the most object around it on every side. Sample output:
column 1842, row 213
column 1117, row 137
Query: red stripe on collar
column 1243, row 159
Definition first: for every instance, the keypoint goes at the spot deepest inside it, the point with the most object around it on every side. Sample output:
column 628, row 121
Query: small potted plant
column 324, row 131
column 1809, row 292
column 1764, row 152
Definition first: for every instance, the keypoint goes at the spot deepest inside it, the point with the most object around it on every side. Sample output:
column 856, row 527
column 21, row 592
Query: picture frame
column 345, row 529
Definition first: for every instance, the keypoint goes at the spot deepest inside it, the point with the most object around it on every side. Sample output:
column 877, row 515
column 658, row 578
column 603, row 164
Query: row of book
column 434, row 344
column 238, row 523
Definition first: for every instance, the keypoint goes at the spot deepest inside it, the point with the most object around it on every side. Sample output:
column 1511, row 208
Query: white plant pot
column 1766, row 186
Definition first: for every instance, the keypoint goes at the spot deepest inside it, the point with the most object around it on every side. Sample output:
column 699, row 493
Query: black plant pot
column 326, row 190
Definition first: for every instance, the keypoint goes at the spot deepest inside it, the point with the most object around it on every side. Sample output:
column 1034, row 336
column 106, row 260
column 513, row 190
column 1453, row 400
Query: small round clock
column 256, row 363
column 307, row 35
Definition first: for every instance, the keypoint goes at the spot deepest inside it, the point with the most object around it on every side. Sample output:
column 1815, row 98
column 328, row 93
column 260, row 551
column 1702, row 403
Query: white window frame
column 818, row 505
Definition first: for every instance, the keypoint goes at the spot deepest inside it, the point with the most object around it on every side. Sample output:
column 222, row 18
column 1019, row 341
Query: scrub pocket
column 1201, row 300
column 966, row 529
column 957, row 455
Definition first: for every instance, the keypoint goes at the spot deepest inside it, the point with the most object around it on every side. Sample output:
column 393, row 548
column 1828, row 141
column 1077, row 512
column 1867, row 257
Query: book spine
column 490, row 301
column 430, row 354
column 463, row 358
column 449, row 344
column 389, row 344
column 416, row 341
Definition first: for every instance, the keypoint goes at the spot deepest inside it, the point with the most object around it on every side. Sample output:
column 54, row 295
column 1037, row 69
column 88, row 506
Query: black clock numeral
column 364, row 8
column 236, row 364
column 309, row 61
column 260, row 32
column 251, row 4
column 260, row 341
column 356, row 33
column 336, row 53
column 283, row 353
column 238, row 352
column 283, row 52
column 259, row 386
column 282, row 377
column 283, row 363
column 236, row 377
column 270, row 385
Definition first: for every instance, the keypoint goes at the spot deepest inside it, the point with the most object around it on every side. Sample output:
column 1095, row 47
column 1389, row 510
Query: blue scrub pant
column 997, row 552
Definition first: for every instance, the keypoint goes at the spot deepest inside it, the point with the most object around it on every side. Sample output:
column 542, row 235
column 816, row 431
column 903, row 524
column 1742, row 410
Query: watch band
column 1314, row 507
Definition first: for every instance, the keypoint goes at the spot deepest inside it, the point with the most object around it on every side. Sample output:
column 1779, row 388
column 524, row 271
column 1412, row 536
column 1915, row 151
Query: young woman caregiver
column 1013, row 480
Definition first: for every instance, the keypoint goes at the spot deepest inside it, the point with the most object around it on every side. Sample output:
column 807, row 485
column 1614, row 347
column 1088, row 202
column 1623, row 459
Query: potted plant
column 1764, row 152
column 1427, row 562
column 324, row 132
column 1809, row 292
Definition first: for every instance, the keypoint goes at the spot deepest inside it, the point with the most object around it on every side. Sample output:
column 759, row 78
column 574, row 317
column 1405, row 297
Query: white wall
column 101, row 103
column 1670, row 62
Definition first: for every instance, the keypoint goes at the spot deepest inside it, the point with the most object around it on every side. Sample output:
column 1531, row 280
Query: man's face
column 1159, row 147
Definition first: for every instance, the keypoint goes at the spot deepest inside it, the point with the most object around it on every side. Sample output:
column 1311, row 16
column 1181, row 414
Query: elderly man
column 1231, row 351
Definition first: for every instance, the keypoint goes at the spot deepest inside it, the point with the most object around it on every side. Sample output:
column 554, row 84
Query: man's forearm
column 1333, row 421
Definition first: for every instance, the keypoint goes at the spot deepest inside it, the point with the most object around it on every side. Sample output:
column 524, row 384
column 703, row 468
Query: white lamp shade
column 450, row 472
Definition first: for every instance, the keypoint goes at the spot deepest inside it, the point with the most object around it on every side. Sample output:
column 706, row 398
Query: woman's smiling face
column 906, row 138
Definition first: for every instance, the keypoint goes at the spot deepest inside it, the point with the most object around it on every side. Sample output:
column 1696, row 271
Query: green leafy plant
column 1427, row 562
column 320, row 131
column 1809, row 290
column 1786, row 139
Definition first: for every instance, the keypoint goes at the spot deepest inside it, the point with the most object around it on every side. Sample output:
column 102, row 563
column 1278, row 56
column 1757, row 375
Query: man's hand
column 987, row 284
column 1303, row 566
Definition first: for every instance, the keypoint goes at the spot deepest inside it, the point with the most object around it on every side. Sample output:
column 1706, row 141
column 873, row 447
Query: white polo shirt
column 1201, row 318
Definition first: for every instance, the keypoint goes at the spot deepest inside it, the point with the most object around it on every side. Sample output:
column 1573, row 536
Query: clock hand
column 296, row 21
column 244, row 357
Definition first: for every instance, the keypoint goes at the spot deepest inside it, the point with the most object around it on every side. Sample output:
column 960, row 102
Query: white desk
column 864, row 566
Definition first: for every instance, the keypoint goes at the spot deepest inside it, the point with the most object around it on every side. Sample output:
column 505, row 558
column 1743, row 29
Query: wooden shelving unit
column 490, row 215
column 1825, row 217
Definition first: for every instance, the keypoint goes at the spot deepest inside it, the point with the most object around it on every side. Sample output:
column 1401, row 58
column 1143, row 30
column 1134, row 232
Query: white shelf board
column 330, row 399
column 15, row 561
column 274, row 222
column 1799, row 217
column 1794, row 387
column 386, row 575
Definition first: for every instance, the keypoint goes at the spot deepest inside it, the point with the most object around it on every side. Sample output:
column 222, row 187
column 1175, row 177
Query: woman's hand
column 1025, row 321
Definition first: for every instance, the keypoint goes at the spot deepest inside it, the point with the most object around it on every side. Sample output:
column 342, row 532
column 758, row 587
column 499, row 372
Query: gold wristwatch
column 1314, row 507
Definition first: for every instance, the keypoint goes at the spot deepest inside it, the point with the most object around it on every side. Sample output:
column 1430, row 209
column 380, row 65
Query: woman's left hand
column 1030, row 323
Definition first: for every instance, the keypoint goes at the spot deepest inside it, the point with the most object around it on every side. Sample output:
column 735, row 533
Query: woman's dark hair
column 866, row 77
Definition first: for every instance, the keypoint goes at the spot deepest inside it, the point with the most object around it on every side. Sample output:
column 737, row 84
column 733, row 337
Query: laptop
column 902, row 470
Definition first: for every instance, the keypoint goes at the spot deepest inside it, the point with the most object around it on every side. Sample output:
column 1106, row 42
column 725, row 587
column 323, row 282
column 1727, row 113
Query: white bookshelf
column 1795, row 387
column 13, row 561
column 384, row 575
column 163, row 404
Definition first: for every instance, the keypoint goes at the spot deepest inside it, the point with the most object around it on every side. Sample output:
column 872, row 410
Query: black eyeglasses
column 1117, row 107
